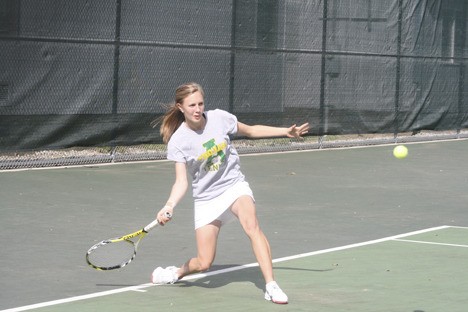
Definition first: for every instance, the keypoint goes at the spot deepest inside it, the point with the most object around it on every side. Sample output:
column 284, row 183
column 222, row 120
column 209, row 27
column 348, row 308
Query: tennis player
column 199, row 142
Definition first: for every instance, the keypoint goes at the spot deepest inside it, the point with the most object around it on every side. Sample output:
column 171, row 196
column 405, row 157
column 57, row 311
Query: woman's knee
column 204, row 264
column 251, row 227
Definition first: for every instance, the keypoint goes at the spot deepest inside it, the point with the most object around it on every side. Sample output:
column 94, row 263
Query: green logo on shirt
column 214, row 155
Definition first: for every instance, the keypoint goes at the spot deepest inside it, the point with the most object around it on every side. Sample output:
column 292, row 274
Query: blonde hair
column 173, row 117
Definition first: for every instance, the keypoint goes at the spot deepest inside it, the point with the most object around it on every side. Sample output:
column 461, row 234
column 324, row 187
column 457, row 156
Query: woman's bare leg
column 207, row 238
column 244, row 209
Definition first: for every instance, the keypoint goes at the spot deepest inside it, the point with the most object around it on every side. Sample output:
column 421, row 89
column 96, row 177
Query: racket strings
column 111, row 255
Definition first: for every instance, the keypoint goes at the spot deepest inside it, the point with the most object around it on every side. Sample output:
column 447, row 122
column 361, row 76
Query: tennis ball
column 400, row 151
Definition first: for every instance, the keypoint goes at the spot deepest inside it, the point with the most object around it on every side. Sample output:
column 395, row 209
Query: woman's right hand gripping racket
column 115, row 253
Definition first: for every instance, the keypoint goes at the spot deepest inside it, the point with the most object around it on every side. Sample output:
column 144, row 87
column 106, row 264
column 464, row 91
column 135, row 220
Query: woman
column 199, row 143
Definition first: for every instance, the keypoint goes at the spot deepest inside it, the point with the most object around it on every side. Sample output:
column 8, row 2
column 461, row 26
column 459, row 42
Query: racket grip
column 156, row 222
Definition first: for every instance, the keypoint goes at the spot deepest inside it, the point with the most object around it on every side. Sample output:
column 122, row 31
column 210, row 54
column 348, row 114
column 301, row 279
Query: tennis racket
column 115, row 253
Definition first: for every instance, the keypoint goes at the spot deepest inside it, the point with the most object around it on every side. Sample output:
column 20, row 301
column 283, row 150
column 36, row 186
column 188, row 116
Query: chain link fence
column 82, row 80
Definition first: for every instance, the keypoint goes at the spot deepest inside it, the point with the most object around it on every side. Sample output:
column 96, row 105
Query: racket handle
column 155, row 222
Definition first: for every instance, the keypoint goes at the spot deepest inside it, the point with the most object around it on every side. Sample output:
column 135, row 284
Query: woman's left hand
column 297, row 132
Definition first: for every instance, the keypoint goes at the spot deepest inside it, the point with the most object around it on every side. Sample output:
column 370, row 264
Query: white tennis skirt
column 218, row 208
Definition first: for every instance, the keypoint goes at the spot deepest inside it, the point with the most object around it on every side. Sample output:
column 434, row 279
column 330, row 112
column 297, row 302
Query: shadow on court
column 248, row 275
column 306, row 202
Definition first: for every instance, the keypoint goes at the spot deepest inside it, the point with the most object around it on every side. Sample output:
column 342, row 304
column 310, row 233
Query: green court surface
column 351, row 230
column 411, row 272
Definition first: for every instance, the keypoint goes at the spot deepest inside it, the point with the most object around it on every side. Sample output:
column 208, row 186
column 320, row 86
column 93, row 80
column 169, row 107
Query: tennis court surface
column 351, row 230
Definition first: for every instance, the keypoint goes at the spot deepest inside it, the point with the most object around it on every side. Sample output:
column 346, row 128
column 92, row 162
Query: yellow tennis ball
column 400, row 151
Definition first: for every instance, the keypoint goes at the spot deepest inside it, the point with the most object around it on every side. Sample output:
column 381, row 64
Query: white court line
column 459, row 227
column 429, row 243
column 306, row 150
column 201, row 275
column 435, row 243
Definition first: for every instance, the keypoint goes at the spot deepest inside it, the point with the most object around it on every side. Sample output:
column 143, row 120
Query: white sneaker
column 165, row 276
column 275, row 294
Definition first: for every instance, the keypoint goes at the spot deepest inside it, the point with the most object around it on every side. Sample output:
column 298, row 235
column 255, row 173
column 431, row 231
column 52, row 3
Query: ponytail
column 171, row 121
column 173, row 117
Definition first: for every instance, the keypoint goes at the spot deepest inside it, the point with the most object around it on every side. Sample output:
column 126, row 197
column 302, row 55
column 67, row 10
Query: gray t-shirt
column 212, row 161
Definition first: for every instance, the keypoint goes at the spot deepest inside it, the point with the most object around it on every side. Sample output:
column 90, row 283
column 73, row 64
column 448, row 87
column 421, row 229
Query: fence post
column 323, row 112
column 396, row 120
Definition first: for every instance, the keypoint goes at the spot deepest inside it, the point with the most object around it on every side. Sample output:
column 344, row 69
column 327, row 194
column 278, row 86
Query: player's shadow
column 252, row 275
